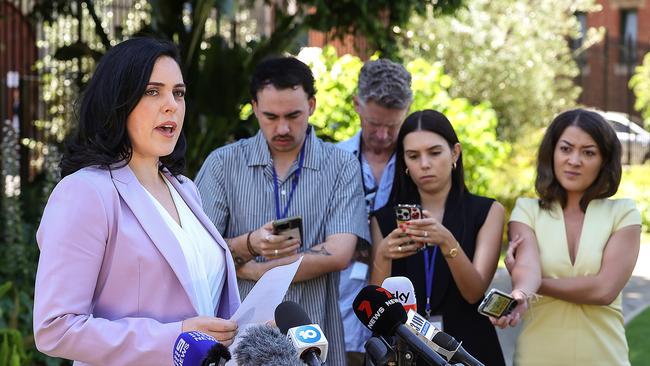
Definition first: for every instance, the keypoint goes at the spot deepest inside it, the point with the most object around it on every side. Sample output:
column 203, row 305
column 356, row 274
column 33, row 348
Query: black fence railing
column 605, row 72
column 40, row 73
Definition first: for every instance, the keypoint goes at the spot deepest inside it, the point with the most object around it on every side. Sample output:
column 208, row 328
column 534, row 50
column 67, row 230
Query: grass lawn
column 638, row 333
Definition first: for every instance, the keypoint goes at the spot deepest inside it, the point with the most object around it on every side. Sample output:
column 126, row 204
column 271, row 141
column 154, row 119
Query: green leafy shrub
column 634, row 184
column 336, row 120
column 336, row 82
column 513, row 54
column 483, row 154
column 12, row 352
column 20, row 209
column 640, row 84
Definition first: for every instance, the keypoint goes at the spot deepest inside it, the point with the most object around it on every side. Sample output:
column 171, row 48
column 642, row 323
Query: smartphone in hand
column 497, row 304
column 290, row 226
column 404, row 213
column 407, row 212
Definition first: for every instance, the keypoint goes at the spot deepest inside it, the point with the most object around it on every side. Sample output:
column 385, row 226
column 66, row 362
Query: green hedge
column 636, row 185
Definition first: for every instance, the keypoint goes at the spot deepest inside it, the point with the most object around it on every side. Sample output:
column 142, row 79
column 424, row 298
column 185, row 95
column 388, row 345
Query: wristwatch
column 453, row 252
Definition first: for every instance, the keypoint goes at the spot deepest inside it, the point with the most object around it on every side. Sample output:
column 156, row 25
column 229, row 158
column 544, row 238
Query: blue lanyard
column 301, row 160
column 429, row 268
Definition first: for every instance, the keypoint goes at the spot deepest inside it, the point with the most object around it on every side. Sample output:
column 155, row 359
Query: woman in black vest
column 450, row 254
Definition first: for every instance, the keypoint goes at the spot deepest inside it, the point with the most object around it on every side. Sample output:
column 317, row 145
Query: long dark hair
column 404, row 189
column 606, row 184
column 119, row 81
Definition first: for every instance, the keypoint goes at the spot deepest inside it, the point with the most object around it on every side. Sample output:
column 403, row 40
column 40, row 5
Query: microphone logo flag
column 179, row 350
column 308, row 334
column 420, row 325
column 402, row 289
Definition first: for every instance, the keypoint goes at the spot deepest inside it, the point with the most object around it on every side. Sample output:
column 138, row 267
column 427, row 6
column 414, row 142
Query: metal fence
column 38, row 81
column 605, row 72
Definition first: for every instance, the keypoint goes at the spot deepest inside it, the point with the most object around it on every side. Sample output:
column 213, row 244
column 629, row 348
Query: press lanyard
column 429, row 268
column 363, row 178
column 301, row 160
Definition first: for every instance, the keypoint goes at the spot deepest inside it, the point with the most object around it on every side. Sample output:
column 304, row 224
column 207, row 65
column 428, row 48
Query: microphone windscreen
column 378, row 310
column 289, row 314
column 402, row 288
column 217, row 353
column 263, row 345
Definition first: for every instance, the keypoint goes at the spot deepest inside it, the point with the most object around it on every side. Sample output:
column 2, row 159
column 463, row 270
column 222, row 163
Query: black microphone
column 380, row 312
column 440, row 341
column 199, row 349
column 307, row 338
column 263, row 345
column 378, row 351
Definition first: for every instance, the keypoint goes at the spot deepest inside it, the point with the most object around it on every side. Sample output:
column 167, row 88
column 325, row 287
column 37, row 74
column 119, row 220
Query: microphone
column 440, row 341
column 380, row 312
column 402, row 289
column 199, row 349
column 379, row 351
column 263, row 345
column 307, row 338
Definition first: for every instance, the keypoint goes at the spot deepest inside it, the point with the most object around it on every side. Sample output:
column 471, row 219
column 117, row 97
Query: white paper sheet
column 260, row 303
column 259, row 306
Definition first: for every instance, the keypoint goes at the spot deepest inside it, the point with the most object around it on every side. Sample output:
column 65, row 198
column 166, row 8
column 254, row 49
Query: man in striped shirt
column 285, row 170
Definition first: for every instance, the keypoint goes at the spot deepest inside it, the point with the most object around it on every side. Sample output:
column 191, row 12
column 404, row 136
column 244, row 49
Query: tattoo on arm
column 319, row 251
column 239, row 261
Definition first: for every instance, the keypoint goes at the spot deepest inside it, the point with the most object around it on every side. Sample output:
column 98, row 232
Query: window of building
column 577, row 43
column 629, row 36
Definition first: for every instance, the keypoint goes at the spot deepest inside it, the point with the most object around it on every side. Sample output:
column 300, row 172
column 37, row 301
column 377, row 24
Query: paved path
column 636, row 297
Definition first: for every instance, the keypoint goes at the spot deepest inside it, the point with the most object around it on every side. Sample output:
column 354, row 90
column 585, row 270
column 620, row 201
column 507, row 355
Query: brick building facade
column 606, row 67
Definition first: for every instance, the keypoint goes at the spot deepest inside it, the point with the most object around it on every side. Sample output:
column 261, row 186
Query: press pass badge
column 436, row 321
column 359, row 271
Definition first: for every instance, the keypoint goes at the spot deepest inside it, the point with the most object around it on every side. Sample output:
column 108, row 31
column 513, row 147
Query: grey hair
column 386, row 83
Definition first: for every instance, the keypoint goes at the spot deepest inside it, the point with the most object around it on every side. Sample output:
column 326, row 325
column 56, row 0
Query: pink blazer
column 112, row 285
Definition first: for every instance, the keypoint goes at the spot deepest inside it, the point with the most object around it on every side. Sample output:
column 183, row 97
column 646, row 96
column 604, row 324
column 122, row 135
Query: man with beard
column 283, row 171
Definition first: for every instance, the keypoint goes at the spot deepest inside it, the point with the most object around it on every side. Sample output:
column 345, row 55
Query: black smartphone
column 290, row 226
column 497, row 304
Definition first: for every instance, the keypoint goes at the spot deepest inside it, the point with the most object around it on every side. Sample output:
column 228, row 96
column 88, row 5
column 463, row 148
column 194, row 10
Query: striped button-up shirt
column 237, row 189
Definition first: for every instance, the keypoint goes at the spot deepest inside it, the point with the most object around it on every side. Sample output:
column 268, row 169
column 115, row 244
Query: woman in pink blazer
column 127, row 253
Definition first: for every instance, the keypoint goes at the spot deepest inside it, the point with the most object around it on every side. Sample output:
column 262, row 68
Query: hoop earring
column 406, row 171
column 453, row 165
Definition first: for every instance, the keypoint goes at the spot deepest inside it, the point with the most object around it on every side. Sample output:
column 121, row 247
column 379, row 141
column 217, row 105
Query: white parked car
column 634, row 139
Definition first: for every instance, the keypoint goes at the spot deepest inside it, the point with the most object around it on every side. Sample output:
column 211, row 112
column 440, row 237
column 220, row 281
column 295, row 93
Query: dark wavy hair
column 606, row 184
column 282, row 73
column 120, row 79
column 404, row 189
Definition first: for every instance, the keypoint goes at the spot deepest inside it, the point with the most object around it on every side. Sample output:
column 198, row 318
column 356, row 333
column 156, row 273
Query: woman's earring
column 407, row 171
column 454, row 165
